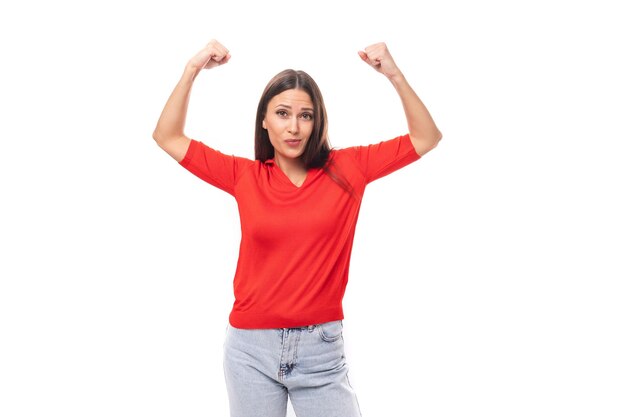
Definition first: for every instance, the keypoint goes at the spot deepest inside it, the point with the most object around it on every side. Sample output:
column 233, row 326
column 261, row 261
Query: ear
column 263, row 124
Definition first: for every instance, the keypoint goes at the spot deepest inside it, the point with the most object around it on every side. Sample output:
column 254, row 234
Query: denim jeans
column 307, row 364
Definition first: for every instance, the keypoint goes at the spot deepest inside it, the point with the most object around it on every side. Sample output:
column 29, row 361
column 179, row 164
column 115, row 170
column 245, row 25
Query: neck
column 294, row 169
column 290, row 166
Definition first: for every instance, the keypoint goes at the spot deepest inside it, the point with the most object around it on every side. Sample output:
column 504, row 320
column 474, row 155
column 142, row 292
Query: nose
column 293, row 126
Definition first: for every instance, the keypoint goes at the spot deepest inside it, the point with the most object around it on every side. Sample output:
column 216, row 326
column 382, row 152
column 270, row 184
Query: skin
column 422, row 129
column 289, row 123
column 169, row 132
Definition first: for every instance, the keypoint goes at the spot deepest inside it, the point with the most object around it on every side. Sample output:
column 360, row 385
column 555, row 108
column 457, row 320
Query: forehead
column 292, row 97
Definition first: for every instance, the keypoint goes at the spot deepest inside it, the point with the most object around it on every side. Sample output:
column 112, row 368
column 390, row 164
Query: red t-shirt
column 296, row 242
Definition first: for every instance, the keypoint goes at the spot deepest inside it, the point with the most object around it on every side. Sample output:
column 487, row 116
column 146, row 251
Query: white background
column 487, row 279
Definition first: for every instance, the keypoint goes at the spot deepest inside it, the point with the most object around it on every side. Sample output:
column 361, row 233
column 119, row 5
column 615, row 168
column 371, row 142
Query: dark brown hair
column 317, row 151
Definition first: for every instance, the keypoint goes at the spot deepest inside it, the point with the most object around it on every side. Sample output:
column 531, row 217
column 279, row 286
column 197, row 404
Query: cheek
column 309, row 130
column 274, row 137
column 274, row 126
column 271, row 130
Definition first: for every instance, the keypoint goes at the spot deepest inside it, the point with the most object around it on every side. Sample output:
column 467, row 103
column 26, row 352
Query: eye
column 281, row 113
column 307, row 116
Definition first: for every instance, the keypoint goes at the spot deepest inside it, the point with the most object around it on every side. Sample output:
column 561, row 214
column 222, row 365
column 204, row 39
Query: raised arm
column 169, row 132
column 422, row 129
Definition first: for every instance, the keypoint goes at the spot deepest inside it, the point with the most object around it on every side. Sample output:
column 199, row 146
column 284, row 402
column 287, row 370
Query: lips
column 293, row 142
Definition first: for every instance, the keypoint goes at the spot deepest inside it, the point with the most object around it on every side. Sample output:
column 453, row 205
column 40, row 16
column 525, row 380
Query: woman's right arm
column 169, row 132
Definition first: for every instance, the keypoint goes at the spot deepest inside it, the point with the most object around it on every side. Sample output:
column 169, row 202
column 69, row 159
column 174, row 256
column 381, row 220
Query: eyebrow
column 289, row 107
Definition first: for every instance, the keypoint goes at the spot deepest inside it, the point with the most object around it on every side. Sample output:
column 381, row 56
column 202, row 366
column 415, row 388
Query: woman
column 298, row 204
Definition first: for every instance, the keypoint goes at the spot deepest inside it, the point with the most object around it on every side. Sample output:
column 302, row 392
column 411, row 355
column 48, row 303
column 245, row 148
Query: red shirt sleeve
column 214, row 167
column 377, row 160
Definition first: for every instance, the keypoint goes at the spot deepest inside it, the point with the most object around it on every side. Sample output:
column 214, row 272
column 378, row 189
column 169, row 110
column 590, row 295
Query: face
column 289, row 123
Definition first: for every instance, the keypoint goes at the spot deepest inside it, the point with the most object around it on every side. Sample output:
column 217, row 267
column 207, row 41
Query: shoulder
column 343, row 153
column 198, row 149
column 346, row 159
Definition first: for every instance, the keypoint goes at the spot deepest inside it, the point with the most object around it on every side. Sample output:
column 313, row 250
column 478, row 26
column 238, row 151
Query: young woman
column 298, row 203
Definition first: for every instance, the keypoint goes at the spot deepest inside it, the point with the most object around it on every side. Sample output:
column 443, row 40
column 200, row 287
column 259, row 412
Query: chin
column 293, row 154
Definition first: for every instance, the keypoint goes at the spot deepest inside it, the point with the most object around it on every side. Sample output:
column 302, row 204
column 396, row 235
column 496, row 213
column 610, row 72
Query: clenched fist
column 212, row 55
column 379, row 58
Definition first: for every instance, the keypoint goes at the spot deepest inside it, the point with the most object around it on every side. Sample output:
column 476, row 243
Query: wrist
column 191, row 72
column 396, row 78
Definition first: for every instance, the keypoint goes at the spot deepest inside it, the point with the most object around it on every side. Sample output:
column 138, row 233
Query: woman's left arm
column 422, row 129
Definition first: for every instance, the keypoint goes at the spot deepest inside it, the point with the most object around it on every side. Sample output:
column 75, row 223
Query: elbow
column 159, row 137
column 156, row 135
column 433, row 143
column 162, row 137
column 437, row 138
column 435, row 133
column 426, row 143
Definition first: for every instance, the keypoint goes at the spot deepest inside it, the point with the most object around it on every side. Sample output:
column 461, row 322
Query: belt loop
column 311, row 327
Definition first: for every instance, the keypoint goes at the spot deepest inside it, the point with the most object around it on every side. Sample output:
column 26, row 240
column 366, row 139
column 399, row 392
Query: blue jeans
column 307, row 364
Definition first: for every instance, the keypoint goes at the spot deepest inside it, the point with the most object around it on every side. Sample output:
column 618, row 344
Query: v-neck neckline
column 286, row 179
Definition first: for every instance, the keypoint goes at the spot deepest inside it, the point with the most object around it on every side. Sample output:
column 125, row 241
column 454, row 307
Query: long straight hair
column 317, row 150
